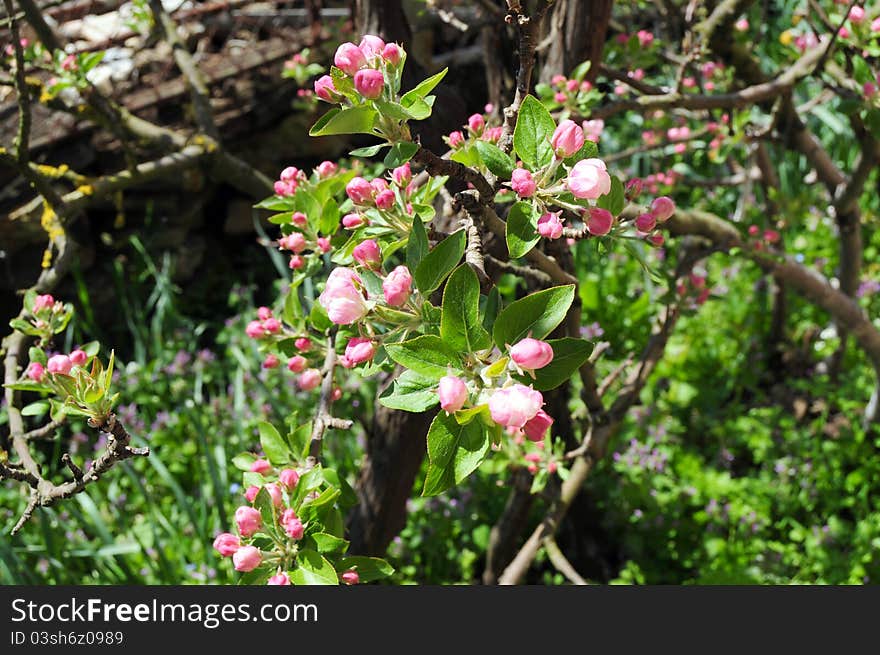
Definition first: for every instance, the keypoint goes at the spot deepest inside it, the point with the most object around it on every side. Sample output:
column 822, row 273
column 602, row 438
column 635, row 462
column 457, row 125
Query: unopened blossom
column 342, row 299
column 226, row 544
column 369, row 82
column 550, row 225
column 309, row 379
column 35, row 371
column 303, row 343
column 297, row 364
column 261, row 466
column 531, row 353
column 59, row 364
column 78, row 357
column 397, row 286
column 352, row 221
column 536, row 428
column 476, row 123
column 589, row 179
column 44, row 301
column 360, row 191
column 599, row 221
column 279, row 580
column 248, row 520
column 646, row 222
column 325, row 89
column 327, row 168
column 662, row 208
column 512, row 407
column 367, row 254
column 402, row 175
column 522, row 182
column 357, row 351
column 453, row 393
column 385, row 199
column 456, row 139
column 350, row 577
column 289, row 478
column 372, row 46
column 271, row 361
column 349, row 59
column 247, row 558
column 392, row 53
column 567, row 139
column 275, row 494
column 292, row 525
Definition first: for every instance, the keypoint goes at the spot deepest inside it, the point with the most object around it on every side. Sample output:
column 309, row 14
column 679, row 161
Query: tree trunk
column 575, row 32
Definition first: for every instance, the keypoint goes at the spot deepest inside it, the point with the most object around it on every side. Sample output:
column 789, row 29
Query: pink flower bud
column 263, row 313
column 633, row 189
column 402, row 175
column 248, row 520
column 297, row 364
column 531, row 353
column 299, row 219
column 289, row 478
column 352, row 221
column 271, row 361
column 645, row 38
column 593, row 129
column 78, row 357
column 657, row 239
column 292, row 525
column 251, row 493
column 350, row 577
column 533, row 457
column 392, row 54
column 453, row 393
column 397, row 286
column 369, row 82
column 372, row 46
column 35, row 371
column 59, row 364
column 493, row 134
column 247, row 558
column 261, row 466
column 336, row 394
column 360, row 192
column 341, row 299
column 558, row 80
column 875, row 25
column 323, row 244
column 280, row 580
column 326, row 168
column 536, row 428
column 367, row 254
column 662, row 208
column 285, row 188
column 254, row 330
column 567, row 139
column 512, row 407
column 476, row 123
column 44, row 301
column 325, row 89
column 646, row 222
column 589, row 179
column 226, row 544
column 272, row 325
column 309, row 379
column 600, row 221
column 455, row 139
column 357, row 351
column 303, row 343
column 385, row 199
column 349, row 59
column 296, row 262
column 550, row 225
column 522, row 183
column 275, row 494
column 379, row 185
column 869, row 88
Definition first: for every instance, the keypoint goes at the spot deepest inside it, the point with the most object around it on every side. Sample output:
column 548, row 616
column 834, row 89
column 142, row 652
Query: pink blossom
column 323, row 244
column 303, row 343
column 35, row 371
column 296, row 262
column 294, row 241
column 326, row 168
column 272, row 325
column 476, row 123
column 589, row 179
column 645, row 38
column 59, row 364
column 875, row 25
column 741, row 25
column 247, row 558
column 325, row 89
column 593, row 129
column 299, row 219
column 567, row 139
column 284, row 188
column 44, row 301
column 78, row 357
column 248, row 520
column 271, row 361
column 251, row 493
column 856, row 14
column 369, row 82
column 560, row 97
column 455, row 139
column 293, row 526
column 367, row 254
column 264, row 313
column 357, row 351
column 372, row 46
column 523, row 183
column 536, row 428
column 392, row 53
column 550, row 225
column 297, row 364
column 275, row 494
column 600, row 221
column 657, row 239
column 352, row 221
column 279, row 580
column 646, row 222
column 531, row 353
column 350, row 577
column 261, row 466
column 309, row 379
column 349, row 59
column 492, row 134
column 342, row 299
column 385, row 199
column 360, row 191
column 226, row 544
column 397, row 286
column 453, row 393
column 512, row 407
column 558, row 80
column 402, row 175
column 662, row 208
column 289, row 478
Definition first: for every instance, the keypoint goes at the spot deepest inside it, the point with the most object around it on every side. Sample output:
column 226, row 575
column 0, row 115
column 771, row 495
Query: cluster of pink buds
column 57, row 365
column 380, row 194
column 662, row 209
column 762, row 239
column 366, row 64
column 345, row 297
column 541, row 457
column 477, row 128
column 264, row 326
column 566, row 91
column 694, row 289
column 288, row 181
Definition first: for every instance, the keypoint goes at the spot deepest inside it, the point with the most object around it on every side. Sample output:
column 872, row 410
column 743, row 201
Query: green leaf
column 329, row 221
column 392, row 110
column 411, row 392
column 615, row 200
column 460, row 325
column 420, row 108
column 491, row 306
column 276, row 204
column 422, row 89
column 496, row 160
column 319, row 319
column 312, row 568
column 454, row 452
column 263, row 503
column 521, row 231
column 353, row 120
column 369, row 151
column 427, row 355
column 537, row 315
column 531, row 136
column 417, row 245
column 439, row 262
column 400, row 153
column 27, row 386
column 328, row 543
column 273, row 443
column 37, row 355
column 37, row 408
column 569, row 354
column 581, row 70
column 368, row 568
